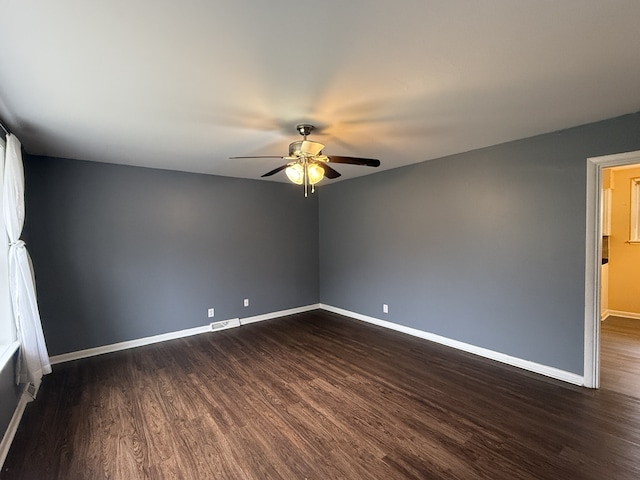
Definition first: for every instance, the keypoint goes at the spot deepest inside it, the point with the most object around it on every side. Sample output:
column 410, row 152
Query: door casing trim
column 593, row 260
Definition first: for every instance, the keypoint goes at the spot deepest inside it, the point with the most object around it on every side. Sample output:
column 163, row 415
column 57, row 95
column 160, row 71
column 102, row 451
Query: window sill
column 6, row 353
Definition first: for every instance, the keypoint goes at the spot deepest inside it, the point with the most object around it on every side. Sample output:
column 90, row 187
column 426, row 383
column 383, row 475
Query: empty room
column 350, row 240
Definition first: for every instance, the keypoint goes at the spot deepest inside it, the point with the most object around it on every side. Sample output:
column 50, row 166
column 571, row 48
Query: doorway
column 593, row 277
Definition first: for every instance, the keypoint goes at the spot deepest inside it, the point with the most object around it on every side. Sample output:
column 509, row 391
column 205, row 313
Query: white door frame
column 593, row 260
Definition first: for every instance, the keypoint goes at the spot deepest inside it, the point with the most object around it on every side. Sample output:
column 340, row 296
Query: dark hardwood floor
column 620, row 355
column 318, row 396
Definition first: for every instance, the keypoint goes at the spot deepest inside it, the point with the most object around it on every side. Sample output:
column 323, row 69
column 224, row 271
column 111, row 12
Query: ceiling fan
column 307, row 165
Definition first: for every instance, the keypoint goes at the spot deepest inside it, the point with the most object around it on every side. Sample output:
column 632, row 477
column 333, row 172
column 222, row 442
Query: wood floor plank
column 620, row 355
column 320, row 396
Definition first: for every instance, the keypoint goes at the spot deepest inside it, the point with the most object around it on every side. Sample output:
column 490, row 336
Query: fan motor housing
column 295, row 148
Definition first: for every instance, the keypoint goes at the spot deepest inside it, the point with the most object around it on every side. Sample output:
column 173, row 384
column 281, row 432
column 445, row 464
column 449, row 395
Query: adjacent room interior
column 208, row 313
column 619, row 280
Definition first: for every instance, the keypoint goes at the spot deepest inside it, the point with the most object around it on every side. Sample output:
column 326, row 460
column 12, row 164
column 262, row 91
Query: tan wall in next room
column 624, row 257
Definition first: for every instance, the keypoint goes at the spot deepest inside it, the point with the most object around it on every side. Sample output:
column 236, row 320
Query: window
column 634, row 235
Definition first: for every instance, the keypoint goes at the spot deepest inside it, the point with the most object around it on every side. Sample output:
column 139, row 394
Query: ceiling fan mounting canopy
column 304, row 129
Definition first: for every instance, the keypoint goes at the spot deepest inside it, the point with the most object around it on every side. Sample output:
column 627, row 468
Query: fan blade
column 261, row 156
column 328, row 171
column 311, row 148
column 276, row 170
column 368, row 162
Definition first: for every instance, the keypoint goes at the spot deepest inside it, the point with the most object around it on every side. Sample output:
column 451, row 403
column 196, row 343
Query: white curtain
column 33, row 362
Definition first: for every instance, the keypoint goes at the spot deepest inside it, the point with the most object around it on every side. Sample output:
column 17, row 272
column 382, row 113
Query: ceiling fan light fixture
column 315, row 173
column 295, row 173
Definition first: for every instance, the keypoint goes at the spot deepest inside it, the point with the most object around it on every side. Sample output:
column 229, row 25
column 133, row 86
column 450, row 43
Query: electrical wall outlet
column 246, row 302
column 385, row 308
column 210, row 312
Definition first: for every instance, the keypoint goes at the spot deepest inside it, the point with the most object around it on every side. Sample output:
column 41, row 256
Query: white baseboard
column 620, row 313
column 12, row 428
column 281, row 313
column 115, row 347
column 482, row 352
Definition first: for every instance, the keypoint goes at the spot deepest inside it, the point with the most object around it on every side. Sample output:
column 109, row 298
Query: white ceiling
column 185, row 85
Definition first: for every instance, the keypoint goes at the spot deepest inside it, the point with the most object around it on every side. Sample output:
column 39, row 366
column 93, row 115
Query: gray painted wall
column 9, row 394
column 123, row 252
column 485, row 247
